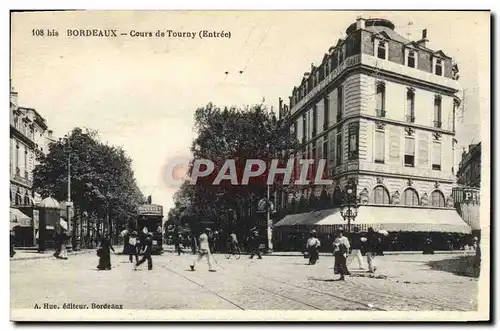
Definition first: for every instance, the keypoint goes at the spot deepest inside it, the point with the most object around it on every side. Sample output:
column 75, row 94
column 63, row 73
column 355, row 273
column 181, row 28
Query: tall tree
column 239, row 135
column 102, row 179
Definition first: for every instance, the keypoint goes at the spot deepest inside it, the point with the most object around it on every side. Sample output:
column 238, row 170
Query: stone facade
column 29, row 136
column 380, row 109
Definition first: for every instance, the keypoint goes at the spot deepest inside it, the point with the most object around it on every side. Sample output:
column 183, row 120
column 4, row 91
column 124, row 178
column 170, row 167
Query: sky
column 141, row 93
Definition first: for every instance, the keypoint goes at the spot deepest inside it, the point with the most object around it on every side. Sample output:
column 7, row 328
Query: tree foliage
column 240, row 135
column 102, row 178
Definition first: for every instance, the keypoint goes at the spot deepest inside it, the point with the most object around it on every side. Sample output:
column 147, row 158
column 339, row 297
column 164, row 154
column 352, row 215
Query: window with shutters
column 409, row 152
column 325, row 153
column 340, row 102
column 437, row 112
column 380, row 99
column 410, row 197
column 410, row 106
column 314, row 121
column 353, row 141
column 314, row 156
column 341, row 54
column 380, row 195
column 339, row 149
column 411, row 59
column 379, row 146
column 304, row 128
column 437, row 199
column 382, row 49
column 436, row 155
column 438, row 67
column 326, row 110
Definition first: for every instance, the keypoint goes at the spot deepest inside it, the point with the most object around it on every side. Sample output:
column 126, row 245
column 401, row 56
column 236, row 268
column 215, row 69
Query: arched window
column 437, row 199
column 337, row 196
column 410, row 197
column 27, row 200
column 18, row 198
column 380, row 195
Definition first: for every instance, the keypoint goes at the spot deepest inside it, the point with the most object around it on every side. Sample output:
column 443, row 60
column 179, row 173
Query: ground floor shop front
column 408, row 227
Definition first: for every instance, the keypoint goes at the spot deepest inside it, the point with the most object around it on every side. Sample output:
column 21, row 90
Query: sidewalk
column 34, row 255
column 296, row 253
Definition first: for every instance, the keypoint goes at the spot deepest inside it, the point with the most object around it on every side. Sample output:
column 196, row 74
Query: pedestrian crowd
column 345, row 250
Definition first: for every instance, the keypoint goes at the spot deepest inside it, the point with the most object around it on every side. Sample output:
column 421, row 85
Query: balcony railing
column 438, row 124
column 410, row 118
column 380, row 112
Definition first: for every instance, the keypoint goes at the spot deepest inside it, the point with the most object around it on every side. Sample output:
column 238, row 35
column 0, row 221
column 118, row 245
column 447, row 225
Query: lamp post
column 73, row 227
column 350, row 212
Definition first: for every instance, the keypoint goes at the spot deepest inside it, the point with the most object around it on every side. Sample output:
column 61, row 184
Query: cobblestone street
column 402, row 282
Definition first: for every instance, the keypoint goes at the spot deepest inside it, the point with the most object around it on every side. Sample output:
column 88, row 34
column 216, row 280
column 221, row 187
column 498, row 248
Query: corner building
column 381, row 110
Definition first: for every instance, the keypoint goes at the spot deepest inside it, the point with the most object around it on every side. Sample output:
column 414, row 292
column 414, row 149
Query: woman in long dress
column 104, row 250
column 341, row 250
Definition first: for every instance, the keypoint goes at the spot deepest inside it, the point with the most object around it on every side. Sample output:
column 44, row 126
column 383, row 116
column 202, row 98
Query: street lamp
column 69, row 203
column 349, row 212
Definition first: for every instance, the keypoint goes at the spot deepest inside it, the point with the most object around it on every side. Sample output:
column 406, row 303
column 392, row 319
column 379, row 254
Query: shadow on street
column 462, row 266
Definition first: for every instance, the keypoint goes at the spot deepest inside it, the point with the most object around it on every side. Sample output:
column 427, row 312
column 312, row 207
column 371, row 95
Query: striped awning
column 391, row 219
column 18, row 218
column 470, row 214
column 311, row 218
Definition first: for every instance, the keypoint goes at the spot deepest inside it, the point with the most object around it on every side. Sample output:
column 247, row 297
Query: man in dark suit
column 148, row 251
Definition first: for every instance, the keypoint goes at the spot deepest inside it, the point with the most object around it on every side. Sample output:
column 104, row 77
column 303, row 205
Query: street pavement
column 401, row 282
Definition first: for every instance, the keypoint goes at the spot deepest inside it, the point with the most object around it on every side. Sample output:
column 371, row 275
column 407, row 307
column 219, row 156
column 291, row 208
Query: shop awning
column 311, row 218
column 18, row 218
column 391, row 219
column 471, row 214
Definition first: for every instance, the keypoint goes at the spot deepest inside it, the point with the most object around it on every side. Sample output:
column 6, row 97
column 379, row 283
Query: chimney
column 360, row 23
column 50, row 133
column 424, row 39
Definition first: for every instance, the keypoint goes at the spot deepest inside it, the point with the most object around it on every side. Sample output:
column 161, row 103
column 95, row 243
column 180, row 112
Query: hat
column 340, row 229
column 313, row 232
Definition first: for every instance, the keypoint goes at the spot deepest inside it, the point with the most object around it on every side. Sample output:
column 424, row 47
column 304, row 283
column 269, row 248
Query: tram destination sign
column 150, row 210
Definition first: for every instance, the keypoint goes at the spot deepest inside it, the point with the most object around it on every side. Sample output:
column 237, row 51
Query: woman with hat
column 341, row 249
column 313, row 244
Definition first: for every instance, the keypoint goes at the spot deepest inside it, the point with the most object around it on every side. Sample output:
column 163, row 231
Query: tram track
column 361, row 287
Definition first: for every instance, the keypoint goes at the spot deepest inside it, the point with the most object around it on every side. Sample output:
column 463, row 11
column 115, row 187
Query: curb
column 48, row 255
column 298, row 254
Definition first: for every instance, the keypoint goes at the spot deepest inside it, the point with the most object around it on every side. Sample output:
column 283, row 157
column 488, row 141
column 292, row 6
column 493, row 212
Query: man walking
column 133, row 247
column 148, row 251
column 356, row 249
column 254, row 243
column 372, row 242
column 204, row 251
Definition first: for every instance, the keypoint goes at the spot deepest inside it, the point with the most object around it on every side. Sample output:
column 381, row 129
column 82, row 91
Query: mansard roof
column 440, row 53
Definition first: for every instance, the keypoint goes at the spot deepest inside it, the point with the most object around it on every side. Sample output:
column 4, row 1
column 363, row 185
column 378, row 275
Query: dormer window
column 382, row 50
column 411, row 59
column 438, row 69
column 438, row 65
column 340, row 55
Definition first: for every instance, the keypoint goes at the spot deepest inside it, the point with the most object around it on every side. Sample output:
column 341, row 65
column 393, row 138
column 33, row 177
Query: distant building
column 469, row 169
column 380, row 109
column 29, row 136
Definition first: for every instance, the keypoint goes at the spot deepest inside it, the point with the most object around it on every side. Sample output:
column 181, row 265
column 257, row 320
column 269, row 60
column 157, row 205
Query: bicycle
column 236, row 251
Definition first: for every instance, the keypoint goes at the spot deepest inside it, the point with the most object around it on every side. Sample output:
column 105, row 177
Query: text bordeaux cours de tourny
column 113, row 33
